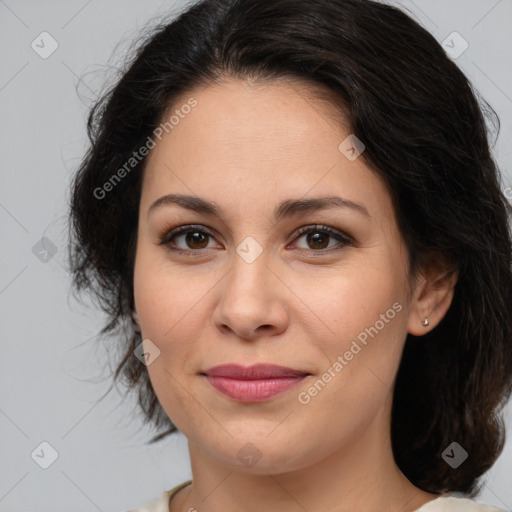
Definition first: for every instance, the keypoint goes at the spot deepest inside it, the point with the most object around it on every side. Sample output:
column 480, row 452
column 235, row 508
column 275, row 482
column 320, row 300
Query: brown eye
column 196, row 239
column 186, row 239
column 317, row 240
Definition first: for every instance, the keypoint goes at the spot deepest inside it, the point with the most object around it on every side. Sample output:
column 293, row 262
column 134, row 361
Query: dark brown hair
column 425, row 134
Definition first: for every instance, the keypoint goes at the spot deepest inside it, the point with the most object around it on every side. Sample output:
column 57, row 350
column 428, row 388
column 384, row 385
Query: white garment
column 441, row 504
column 453, row 504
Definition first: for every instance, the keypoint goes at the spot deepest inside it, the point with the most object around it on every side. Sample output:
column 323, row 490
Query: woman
column 297, row 205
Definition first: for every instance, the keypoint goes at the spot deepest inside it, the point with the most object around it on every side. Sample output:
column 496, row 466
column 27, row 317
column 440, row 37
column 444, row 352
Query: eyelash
column 168, row 235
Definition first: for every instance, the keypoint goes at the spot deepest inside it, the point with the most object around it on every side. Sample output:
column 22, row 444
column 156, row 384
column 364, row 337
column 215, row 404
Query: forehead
column 257, row 141
column 236, row 117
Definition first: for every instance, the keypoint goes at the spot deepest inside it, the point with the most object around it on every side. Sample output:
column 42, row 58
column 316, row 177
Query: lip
column 253, row 383
column 254, row 372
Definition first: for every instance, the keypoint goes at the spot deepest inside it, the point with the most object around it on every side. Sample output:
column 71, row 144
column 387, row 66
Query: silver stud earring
column 426, row 322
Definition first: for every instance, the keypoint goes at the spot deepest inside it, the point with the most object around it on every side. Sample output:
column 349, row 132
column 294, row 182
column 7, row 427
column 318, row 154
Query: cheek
column 166, row 307
column 360, row 362
column 364, row 319
column 346, row 303
column 164, row 295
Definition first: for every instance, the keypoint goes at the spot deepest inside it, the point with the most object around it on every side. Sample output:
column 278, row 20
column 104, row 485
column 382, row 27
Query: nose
column 251, row 301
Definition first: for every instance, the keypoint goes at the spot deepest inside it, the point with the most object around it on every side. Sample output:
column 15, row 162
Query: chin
column 262, row 455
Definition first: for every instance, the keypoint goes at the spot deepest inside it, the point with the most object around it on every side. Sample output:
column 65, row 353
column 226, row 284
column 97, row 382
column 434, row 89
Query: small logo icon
column 44, row 455
column 455, row 45
column 249, row 455
column 146, row 352
column 44, row 45
column 44, row 250
column 351, row 147
column 249, row 249
column 454, row 455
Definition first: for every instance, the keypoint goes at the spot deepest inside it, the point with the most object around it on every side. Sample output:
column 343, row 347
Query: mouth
column 254, row 383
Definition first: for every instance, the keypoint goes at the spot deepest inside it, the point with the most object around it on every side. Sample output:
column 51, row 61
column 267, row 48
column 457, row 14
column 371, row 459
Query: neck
column 361, row 475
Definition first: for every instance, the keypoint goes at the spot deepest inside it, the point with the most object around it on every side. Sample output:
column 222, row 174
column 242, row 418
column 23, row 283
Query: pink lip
column 254, row 383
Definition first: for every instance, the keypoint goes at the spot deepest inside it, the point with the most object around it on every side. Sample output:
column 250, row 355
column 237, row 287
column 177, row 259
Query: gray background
column 53, row 373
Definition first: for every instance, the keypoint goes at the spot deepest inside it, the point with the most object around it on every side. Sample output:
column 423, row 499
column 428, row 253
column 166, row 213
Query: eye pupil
column 315, row 238
column 194, row 237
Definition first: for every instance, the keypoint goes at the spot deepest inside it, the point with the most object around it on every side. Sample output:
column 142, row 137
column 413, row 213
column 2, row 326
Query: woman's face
column 244, row 286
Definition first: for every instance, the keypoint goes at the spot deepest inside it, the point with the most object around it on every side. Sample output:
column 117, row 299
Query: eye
column 194, row 238
column 318, row 237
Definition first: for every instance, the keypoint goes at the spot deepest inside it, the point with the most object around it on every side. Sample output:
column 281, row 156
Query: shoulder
column 160, row 504
column 456, row 504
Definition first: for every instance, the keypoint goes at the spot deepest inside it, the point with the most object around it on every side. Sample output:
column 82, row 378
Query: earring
column 426, row 322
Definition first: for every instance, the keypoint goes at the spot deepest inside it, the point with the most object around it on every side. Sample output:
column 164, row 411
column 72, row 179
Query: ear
column 432, row 295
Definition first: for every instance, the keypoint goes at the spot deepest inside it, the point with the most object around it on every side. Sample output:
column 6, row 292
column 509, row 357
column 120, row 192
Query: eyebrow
column 287, row 208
